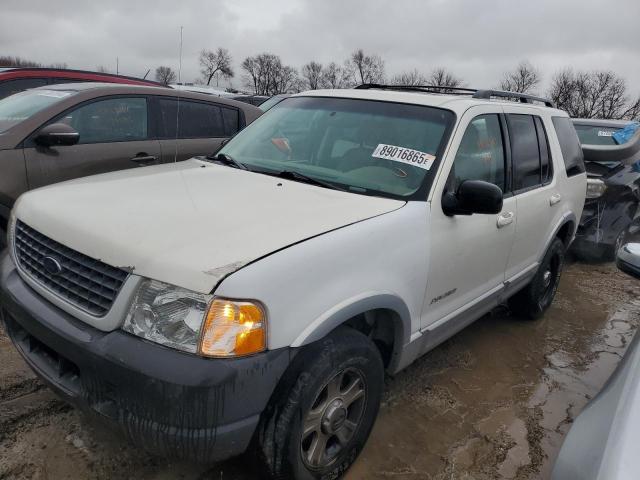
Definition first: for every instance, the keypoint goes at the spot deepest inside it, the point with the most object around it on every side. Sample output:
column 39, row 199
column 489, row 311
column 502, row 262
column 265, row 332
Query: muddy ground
column 493, row 402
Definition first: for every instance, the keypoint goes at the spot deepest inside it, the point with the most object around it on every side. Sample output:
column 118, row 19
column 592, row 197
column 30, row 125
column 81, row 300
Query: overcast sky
column 476, row 39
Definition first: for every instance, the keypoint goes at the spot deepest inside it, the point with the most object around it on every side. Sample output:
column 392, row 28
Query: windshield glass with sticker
column 363, row 146
column 20, row 106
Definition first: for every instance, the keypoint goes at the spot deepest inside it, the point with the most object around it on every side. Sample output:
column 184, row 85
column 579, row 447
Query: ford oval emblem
column 52, row 265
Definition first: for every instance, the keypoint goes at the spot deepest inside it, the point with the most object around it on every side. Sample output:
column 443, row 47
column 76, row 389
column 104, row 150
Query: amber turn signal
column 233, row 328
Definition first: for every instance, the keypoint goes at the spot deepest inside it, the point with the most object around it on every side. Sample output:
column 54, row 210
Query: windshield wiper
column 227, row 159
column 301, row 177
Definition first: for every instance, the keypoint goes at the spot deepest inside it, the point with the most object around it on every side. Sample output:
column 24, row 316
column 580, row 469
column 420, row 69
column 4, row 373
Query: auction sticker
column 404, row 155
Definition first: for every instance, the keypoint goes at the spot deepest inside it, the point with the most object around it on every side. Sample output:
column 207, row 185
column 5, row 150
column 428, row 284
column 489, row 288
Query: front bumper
column 168, row 402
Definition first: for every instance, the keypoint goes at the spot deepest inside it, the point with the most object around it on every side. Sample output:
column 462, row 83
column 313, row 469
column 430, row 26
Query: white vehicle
column 262, row 293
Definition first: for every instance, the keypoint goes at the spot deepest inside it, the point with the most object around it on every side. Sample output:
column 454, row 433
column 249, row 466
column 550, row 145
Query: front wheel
column 532, row 301
column 322, row 414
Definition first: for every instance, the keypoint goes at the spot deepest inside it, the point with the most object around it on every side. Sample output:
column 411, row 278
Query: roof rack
column 419, row 88
column 479, row 94
column 520, row 97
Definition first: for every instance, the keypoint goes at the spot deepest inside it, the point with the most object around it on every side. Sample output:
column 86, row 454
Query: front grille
column 84, row 282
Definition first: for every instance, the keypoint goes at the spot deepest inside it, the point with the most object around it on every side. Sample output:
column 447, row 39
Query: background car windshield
column 334, row 139
column 596, row 134
column 17, row 108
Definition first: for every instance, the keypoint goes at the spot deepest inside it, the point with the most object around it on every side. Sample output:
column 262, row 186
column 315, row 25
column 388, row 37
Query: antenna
column 117, row 65
column 145, row 75
column 175, row 158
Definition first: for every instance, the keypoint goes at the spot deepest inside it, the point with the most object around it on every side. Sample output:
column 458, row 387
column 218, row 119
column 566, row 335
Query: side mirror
column 57, row 134
column 628, row 259
column 473, row 196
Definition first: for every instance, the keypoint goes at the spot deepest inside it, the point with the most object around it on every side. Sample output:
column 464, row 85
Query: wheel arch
column 565, row 230
column 384, row 317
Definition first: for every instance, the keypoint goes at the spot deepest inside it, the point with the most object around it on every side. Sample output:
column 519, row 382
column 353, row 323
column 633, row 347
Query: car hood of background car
column 191, row 223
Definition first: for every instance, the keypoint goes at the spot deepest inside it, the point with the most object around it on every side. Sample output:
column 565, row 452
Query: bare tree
column 441, row 77
column 165, row 75
column 9, row 61
column 597, row 94
column 367, row 68
column 524, row 79
column 334, row 76
column 102, row 69
column 266, row 74
column 215, row 63
column 412, row 77
column 312, row 73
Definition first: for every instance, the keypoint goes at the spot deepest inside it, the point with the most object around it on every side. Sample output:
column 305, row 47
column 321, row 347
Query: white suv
column 260, row 294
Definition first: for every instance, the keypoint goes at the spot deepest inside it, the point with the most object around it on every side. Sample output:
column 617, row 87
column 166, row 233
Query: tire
column 532, row 301
column 334, row 386
column 612, row 251
column 3, row 239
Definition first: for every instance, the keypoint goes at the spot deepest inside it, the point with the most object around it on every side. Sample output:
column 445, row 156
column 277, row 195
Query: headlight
column 194, row 322
column 595, row 188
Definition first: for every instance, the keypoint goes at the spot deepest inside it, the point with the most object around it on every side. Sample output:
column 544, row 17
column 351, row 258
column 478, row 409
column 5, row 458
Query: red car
column 17, row 79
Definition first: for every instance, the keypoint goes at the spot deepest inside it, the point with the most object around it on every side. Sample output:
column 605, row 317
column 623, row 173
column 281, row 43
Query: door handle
column 555, row 198
column 505, row 218
column 143, row 159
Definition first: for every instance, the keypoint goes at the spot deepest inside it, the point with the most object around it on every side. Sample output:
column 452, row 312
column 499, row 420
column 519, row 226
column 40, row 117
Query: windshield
column 17, row 108
column 362, row 146
column 596, row 134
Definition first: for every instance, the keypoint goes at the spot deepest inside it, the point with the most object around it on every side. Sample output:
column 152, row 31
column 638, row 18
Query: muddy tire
column 532, row 301
column 323, row 409
column 612, row 251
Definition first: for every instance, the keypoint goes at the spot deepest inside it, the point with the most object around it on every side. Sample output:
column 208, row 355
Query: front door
column 469, row 253
column 113, row 136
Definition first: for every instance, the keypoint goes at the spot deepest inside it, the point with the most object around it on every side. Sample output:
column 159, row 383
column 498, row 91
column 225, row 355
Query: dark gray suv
column 60, row 132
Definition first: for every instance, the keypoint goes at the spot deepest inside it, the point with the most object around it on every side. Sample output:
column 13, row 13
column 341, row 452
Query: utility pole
column 117, row 66
column 180, row 67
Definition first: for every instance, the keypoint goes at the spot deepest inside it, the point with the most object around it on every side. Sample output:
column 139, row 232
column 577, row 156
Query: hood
column 190, row 223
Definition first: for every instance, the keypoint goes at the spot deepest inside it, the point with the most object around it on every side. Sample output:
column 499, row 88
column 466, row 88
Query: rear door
column 534, row 188
column 187, row 128
column 114, row 135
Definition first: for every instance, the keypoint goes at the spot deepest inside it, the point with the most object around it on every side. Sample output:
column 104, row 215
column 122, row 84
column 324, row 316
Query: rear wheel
column 322, row 414
column 532, row 301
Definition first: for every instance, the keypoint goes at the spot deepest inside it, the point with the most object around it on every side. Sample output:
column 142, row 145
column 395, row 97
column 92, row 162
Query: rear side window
column 112, row 120
column 569, row 145
column 525, row 153
column 231, row 121
column 14, row 86
column 197, row 120
column 546, row 165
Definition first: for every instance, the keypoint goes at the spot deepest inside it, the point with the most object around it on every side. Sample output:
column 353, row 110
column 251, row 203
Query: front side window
column 363, row 146
column 481, row 153
column 21, row 106
column 111, row 120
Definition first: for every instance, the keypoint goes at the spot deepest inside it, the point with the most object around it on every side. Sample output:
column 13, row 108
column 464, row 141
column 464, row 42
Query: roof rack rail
column 479, row 94
column 520, row 97
column 419, row 88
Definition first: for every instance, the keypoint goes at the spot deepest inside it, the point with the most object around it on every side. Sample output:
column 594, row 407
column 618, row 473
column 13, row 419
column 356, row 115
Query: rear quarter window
column 569, row 145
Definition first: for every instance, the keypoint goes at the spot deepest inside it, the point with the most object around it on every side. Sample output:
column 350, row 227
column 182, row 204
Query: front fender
column 354, row 306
